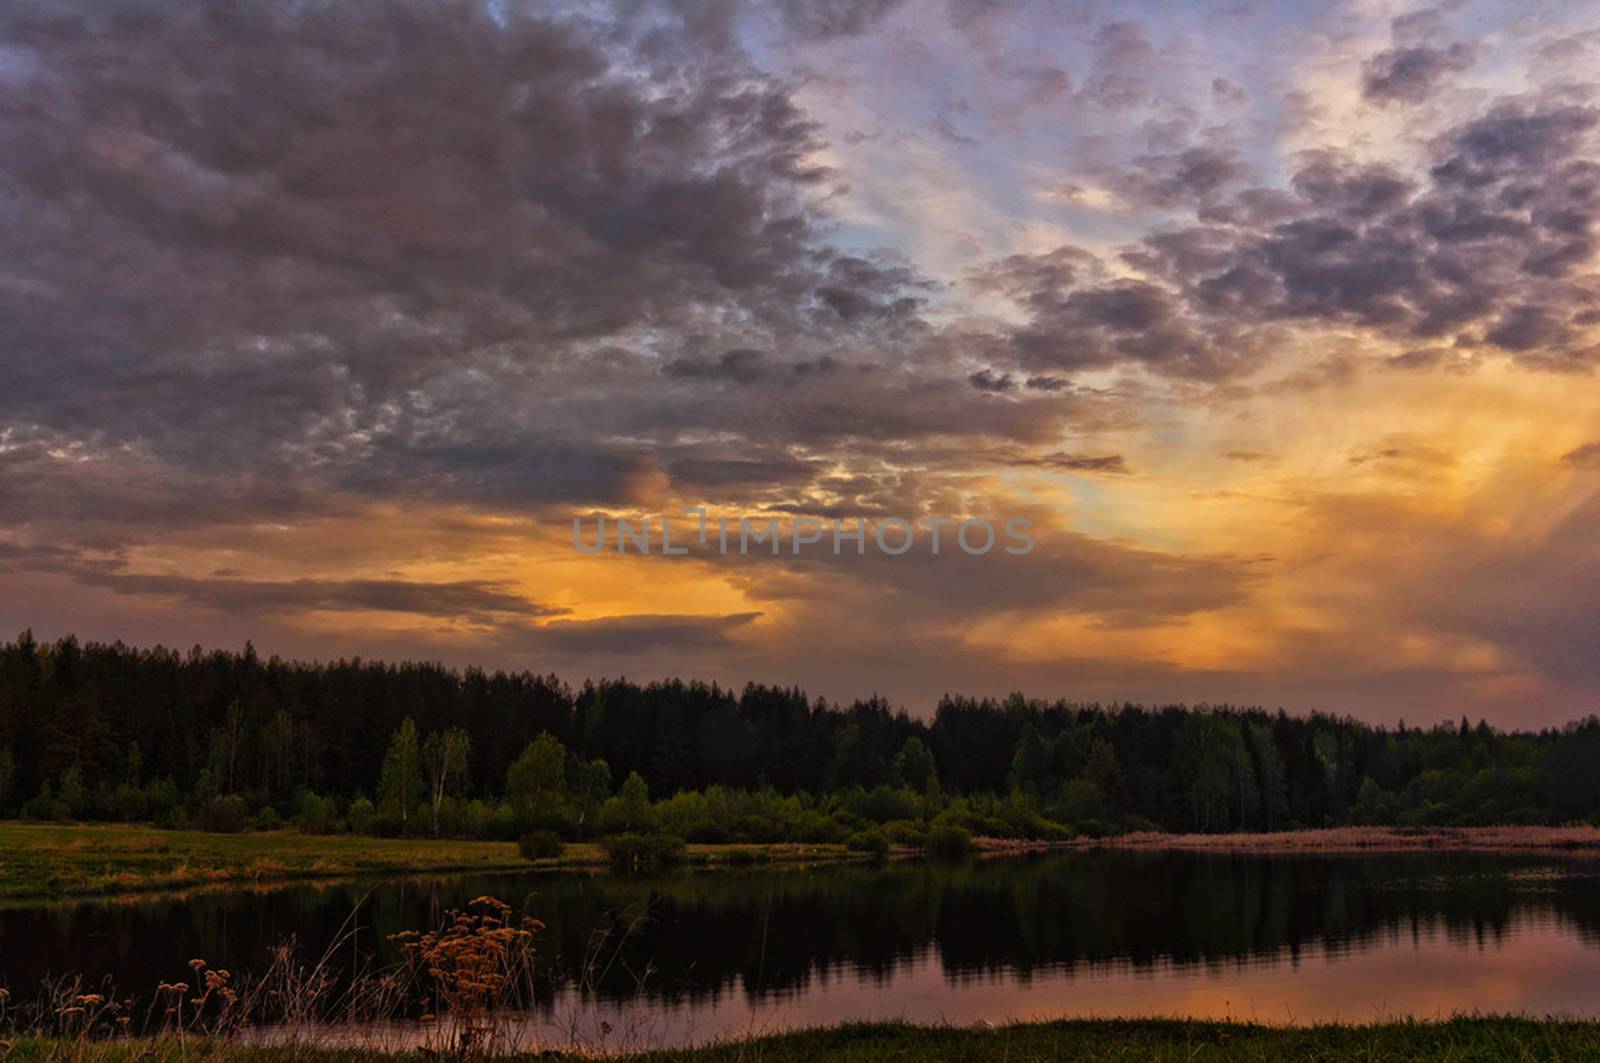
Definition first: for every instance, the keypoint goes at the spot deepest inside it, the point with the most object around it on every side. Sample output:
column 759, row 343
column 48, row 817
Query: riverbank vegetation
column 1459, row 1040
column 1576, row 838
column 229, row 742
column 47, row 860
column 67, row 860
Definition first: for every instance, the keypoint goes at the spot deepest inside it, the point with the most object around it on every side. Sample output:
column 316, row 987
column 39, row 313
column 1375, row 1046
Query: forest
column 230, row 741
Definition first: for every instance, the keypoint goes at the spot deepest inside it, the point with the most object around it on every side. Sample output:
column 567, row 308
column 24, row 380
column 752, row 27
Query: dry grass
column 470, row 975
column 40, row 861
column 1461, row 1040
column 55, row 860
column 1573, row 839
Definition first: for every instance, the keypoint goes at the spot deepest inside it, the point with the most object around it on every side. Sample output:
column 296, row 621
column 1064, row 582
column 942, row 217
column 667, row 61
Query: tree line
column 230, row 740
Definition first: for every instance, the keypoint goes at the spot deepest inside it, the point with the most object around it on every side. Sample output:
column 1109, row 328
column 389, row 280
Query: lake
column 698, row 954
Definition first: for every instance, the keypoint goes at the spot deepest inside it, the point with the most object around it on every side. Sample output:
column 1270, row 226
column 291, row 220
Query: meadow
column 1573, row 838
column 63, row 860
column 1460, row 1040
column 45, row 860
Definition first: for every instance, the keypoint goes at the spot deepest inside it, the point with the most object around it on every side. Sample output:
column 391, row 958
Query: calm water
column 699, row 954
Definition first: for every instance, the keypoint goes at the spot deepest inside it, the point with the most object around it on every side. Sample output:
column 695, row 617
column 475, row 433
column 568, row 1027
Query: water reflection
column 1100, row 932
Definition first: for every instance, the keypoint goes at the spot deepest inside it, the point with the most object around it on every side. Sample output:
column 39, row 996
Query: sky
column 321, row 323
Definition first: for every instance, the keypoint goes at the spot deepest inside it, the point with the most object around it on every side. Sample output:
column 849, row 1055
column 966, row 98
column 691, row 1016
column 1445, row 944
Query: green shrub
column 129, row 803
column 540, row 845
column 642, row 852
column 504, row 823
column 471, row 819
column 363, row 816
column 813, row 827
column 45, row 807
column 317, row 815
column 868, row 841
column 883, row 804
column 268, row 819
column 554, row 815
column 73, row 795
column 629, row 812
column 906, row 832
column 225, row 815
column 948, row 841
column 707, row 834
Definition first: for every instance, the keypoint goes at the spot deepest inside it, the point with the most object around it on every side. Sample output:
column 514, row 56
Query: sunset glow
column 1279, row 326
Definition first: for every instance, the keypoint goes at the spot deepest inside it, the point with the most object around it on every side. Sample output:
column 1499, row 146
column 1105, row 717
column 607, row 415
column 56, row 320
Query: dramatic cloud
column 1409, row 75
column 1491, row 247
column 435, row 223
column 319, row 323
column 1586, row 456
column 623, row 637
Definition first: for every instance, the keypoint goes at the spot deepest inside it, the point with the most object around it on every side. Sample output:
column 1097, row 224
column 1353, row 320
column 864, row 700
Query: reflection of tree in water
column 1069, row 910
column 775, row 932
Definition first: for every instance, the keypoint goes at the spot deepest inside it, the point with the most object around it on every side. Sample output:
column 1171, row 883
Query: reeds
column 464, row 988
column 472, row 968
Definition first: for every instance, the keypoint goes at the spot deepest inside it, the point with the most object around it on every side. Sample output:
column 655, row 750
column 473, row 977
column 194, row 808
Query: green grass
column 40, row 861
column 1458, row 1040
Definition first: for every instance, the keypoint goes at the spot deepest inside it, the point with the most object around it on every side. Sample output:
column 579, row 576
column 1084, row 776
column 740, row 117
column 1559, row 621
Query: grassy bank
column 1457, row 1040
column 60, row 860
column 63, row 860
column 45, row 860
column 1571, row 839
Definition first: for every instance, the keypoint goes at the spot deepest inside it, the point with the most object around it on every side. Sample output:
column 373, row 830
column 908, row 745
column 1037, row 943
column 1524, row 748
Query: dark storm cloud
column 625, row 636
column 18, row 555
column 1191, row 176
column 1330, row 182
column 1109, row 463
column 1408, row 455
column 1488, row 250
column 740, row 366
column 858, row 289
column 505, row 465
column 470, row 600
column 420, row 155
column 1584, row 457
column 1121, row 72
column 432, row 249
column 1409, row 75
column 91, row 485
column 1524, row 328
column 1127, row 321
column 1422, row 55
column 1430, row 358
column 995, row 384
column 820, row 20
column 698, row 470
column 1515, row 138
column 1228, row 93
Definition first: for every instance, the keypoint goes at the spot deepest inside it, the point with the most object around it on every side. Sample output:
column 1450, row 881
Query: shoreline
column 1456, row 1038
column 47, row 862
column 1556, row 841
